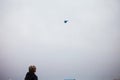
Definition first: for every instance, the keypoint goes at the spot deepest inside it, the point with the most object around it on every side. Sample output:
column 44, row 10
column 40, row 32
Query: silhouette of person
column 31, row 74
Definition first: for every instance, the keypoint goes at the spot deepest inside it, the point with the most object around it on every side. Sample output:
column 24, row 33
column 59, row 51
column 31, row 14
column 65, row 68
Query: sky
column 87, row 47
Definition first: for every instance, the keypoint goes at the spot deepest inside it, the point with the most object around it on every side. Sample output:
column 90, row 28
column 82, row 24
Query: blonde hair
column 32, row 68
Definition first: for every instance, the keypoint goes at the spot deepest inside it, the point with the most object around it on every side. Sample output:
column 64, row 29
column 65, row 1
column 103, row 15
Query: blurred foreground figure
column 31, row 74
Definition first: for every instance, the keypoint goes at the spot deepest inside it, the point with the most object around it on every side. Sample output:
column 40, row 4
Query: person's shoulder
column 27, row 73
column 36, row 77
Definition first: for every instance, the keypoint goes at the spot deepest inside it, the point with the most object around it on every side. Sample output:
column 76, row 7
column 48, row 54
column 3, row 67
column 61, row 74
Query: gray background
column 34, row 32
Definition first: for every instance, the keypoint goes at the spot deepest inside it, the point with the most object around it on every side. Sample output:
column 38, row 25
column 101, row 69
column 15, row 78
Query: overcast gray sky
column 85, row 48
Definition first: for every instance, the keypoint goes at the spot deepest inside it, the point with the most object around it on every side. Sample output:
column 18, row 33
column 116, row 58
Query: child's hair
column 32, row 68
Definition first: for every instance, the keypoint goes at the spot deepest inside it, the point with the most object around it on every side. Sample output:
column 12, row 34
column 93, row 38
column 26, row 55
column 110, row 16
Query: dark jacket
column 31, row 76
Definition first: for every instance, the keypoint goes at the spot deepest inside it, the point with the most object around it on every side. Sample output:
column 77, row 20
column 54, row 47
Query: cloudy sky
column 85, row 48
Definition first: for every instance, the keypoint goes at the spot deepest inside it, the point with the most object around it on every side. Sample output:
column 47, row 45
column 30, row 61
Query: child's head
column 32, row 68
